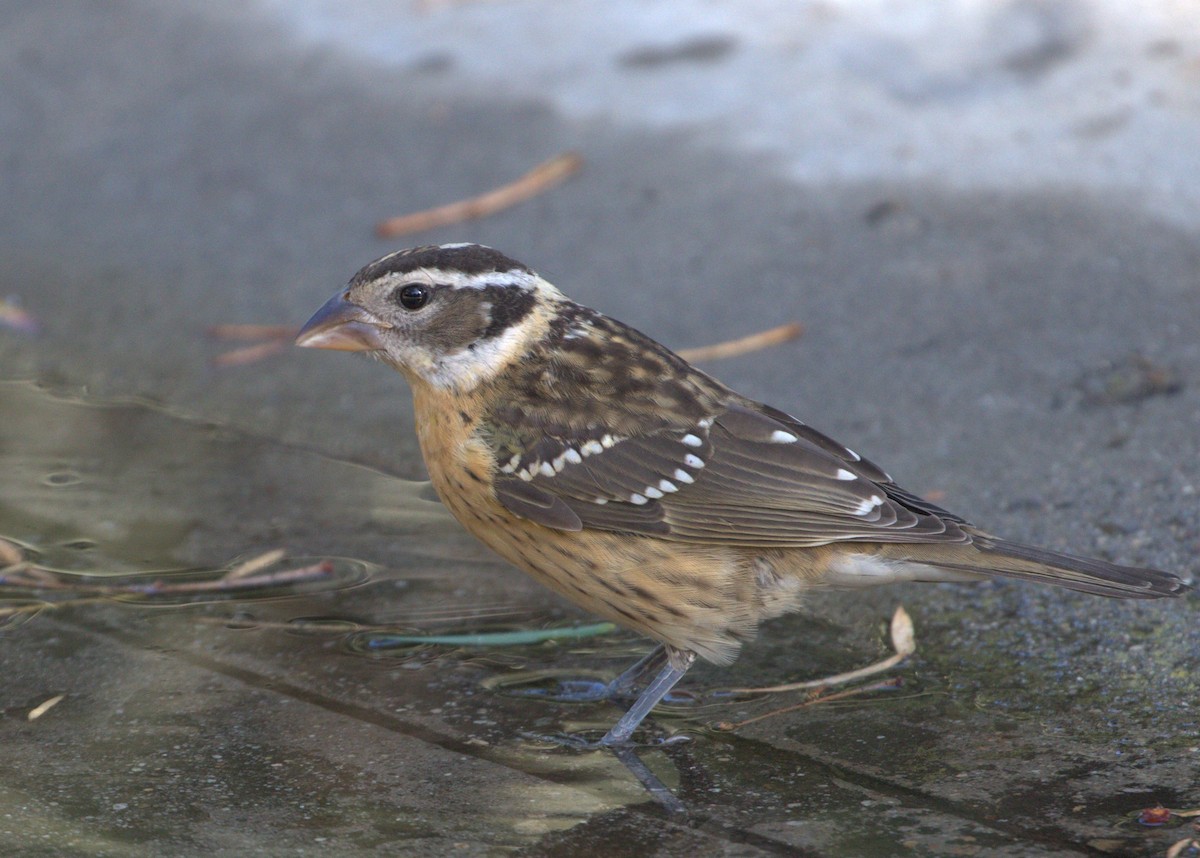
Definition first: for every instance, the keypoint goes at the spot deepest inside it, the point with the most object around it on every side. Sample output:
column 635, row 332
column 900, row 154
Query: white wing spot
column 853, row 455
column 512, row 464
column 683, row 476
column 693, row 461
column 591, row 448
column 781, row 437
column 600, row 501
column 572, row 456
column 547, row 469
column 692, row 440
column 705, row 423
column 667, row 486
column 558, row 462
column 843, row 474
column 608, row 441
column 652, row 492
column 869, row 504
column 637, row 499
column 525, row 475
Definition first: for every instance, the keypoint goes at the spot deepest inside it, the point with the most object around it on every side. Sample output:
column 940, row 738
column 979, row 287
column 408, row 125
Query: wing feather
column 729, row 479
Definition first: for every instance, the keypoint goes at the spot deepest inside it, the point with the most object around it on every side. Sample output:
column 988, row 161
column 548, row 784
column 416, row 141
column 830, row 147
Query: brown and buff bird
column 637, row 486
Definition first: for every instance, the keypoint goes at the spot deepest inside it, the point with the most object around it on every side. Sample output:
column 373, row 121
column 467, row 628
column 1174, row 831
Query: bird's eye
column 412, row 296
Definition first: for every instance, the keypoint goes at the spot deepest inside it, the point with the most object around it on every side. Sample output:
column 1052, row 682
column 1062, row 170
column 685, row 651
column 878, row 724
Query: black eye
column 412, row 296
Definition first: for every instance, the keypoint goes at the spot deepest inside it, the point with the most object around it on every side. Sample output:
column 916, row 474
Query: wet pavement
column 1032, row 358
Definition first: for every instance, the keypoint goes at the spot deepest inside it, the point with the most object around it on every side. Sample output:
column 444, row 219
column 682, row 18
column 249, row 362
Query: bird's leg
column 624, row 684
column 678, row 662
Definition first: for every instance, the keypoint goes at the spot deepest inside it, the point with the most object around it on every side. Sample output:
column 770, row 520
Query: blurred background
column 985, row 214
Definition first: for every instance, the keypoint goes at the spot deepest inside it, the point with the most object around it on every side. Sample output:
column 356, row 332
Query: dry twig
column 10, row 554
column 744, row 345
column 16, row 319
column 903, row 641
column 42, row 708
column 542, row 177
column 895, row 682
column 252, row 332
column 255, row 564
column 34, row 578
column 249, row 354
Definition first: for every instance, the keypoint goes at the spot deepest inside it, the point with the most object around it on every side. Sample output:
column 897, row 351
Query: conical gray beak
column 342, row 326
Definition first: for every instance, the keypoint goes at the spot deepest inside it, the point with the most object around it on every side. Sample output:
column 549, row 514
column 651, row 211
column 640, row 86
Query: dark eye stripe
column 508, row 307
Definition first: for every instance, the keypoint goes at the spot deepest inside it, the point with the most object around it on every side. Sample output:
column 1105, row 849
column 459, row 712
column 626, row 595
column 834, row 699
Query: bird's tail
column 997, row 557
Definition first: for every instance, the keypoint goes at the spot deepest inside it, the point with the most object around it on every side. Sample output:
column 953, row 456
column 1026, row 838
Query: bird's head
column 451, row 315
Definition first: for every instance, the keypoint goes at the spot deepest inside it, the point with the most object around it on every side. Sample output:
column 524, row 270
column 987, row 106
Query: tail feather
column 1026, row 563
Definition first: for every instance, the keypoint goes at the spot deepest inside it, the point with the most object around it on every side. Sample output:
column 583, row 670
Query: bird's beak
column 342, row 326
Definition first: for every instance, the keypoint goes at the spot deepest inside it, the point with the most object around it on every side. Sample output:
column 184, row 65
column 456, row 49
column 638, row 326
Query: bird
column 637, row 486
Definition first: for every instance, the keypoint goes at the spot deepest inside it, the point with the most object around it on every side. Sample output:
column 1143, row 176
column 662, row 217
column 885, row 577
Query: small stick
column 744, row 345
column 542, row 177
column 42, row 708
column 727, row 726
column 38, row 607
column 903, row 641
column 254, row 564
column 249, row 354
column 285, row 576
column 16, row 319
column 252, row 332
column 10, row 554
column 45, row 581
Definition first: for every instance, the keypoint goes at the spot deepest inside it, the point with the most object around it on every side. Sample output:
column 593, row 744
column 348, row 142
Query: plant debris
column 1127, row 380
column 815, row 699
column 744, row 345
column 541, row 178
column 42, row 708
column 249, row 575
column 16, row 319
column 903, row 641
column 275, row 338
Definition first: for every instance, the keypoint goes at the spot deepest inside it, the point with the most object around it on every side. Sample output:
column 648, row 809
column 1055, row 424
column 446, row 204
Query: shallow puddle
column 393, row 696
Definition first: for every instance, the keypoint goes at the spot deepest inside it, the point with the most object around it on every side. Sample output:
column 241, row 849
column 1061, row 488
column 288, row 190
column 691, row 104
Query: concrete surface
column 986, row 218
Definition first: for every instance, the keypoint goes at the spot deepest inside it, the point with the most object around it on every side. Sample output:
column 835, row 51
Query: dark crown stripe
column 469, row 259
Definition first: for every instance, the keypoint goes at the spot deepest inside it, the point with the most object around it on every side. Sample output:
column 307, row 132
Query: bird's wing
column 745, row 475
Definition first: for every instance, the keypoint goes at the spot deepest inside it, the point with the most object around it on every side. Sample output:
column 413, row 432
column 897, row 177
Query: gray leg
column 678, row 663
column 624, row 684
